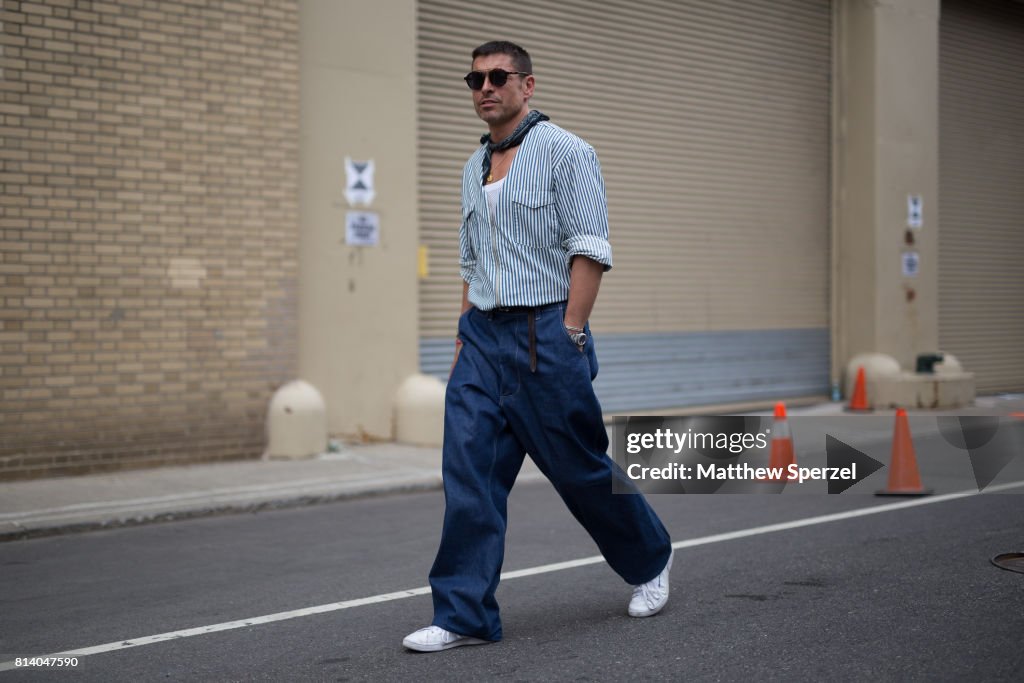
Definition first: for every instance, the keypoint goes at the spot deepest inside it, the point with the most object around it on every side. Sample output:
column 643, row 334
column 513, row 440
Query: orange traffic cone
column 859, row 401
column 904, row 477
column 782, row 446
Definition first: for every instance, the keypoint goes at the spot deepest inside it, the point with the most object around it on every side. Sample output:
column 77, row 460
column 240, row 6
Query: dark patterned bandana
column 513, row 140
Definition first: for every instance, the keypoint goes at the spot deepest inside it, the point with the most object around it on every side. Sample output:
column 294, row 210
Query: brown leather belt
column 531, row 320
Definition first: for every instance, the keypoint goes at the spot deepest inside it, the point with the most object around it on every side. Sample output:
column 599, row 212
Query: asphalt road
column 908, row 593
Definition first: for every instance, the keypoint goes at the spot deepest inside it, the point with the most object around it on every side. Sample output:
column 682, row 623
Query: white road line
column 532, row 571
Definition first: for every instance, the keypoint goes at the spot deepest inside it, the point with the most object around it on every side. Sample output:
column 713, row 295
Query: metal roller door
column 712, row 124
column 981, row 188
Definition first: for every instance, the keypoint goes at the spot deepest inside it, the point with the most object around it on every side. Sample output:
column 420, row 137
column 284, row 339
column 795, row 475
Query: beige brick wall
column 148, row 229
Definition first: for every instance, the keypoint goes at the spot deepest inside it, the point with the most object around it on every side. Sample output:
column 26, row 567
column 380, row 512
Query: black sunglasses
column 499, row 77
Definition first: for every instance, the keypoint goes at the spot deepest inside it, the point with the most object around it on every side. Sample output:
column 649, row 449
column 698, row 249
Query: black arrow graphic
column 840, row 454
column 989, row 445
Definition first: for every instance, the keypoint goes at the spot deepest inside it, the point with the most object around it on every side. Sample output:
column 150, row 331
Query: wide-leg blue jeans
column 496, row 410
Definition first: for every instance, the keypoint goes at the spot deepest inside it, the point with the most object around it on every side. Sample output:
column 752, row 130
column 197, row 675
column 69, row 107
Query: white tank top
column 493, row 193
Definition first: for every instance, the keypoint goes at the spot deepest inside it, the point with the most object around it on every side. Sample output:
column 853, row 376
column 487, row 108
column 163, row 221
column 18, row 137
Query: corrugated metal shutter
column 712, row 124
column 981, row 190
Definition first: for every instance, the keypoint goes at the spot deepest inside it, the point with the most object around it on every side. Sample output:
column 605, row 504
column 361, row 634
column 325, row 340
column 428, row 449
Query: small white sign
column 359, row 182
column 362, row 228
column 911, row 263
column 914, row 207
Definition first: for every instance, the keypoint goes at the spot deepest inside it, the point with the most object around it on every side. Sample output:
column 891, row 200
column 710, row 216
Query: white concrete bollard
column 949, row 365
column 419, row 411
column 296, row 422
column 878, row 367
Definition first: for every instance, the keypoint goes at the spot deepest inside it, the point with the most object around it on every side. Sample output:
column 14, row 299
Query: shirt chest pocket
column 534, row 219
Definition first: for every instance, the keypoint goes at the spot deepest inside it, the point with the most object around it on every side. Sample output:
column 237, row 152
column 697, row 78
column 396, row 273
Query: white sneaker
column 650, row 597
column 435, row 639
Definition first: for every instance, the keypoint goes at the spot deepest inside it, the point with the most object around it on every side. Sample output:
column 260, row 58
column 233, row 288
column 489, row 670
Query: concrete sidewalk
column 70, row 504
column 44, row 507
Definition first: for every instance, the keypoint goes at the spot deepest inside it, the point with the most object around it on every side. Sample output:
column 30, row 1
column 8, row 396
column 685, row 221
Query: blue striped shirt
column 551, row 208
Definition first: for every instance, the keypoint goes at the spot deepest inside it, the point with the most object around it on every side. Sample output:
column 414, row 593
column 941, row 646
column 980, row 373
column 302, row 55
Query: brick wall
column 149, row 203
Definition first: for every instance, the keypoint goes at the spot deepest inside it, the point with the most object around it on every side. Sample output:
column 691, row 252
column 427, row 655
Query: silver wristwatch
column 579, row 338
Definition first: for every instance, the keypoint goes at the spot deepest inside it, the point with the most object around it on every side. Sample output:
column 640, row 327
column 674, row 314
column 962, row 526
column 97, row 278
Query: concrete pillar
column 886, row 148
column 358, row 304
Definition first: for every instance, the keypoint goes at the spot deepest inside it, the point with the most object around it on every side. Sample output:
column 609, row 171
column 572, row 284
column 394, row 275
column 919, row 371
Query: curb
column 98, row 520
column 28, row 528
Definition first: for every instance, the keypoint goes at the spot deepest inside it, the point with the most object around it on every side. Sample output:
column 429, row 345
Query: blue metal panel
column 679, row 369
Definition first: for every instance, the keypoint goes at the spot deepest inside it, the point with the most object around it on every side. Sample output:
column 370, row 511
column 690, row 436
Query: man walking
column 533, row 247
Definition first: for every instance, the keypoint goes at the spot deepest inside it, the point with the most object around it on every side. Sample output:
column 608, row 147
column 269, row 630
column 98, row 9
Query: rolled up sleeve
column 582, row 206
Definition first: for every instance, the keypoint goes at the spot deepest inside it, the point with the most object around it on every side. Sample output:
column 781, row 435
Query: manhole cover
column 1013, row 562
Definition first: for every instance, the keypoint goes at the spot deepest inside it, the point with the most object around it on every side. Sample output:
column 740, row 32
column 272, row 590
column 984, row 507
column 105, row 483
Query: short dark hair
column 520, row 57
